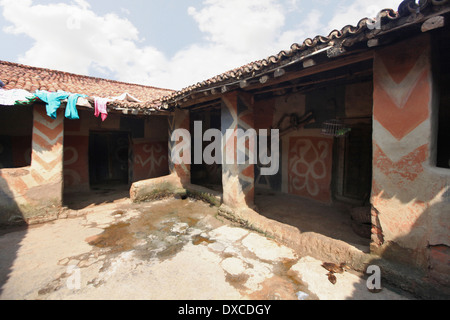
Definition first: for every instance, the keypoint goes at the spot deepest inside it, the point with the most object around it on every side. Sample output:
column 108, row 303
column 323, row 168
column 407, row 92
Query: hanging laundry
column 14, row 96
column 100, row 107
column 71, row 108
column 127, row 97
column 53, row 100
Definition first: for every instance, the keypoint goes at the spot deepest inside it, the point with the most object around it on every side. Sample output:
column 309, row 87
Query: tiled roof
column 17, row 76
column 407, row 11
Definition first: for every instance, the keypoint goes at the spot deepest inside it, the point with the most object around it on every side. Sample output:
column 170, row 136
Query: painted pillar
column 46, row 171
column 36, row 191
column 179, row 120
column 410, row 195
column 238, row 179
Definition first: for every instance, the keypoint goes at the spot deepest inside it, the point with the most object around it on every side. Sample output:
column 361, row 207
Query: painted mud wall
column 150, row 153
column 306, row 164
column 411, row 196
column 35, row 190
column 180, row 119
column 147, row 147
column 238, row 180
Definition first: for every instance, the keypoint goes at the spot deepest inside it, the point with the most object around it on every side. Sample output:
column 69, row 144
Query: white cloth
column 9, row 97
column 127, row 97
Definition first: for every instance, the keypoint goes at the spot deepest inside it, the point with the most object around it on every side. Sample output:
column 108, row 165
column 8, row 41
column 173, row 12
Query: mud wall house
column 42, row 159
column 363, row 117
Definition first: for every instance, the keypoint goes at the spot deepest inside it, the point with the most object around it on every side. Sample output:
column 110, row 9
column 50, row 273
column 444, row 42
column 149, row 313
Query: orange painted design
column 150, row 160
column 14, row 183
column 41, row 142
column 402, row 86
column 400, row 61
column 250, row 195
column 46, row 164
column 249, row 172
column 37, row 177
column 50, row 133
column 409, row 167
column 76, row 161
column 401, row 120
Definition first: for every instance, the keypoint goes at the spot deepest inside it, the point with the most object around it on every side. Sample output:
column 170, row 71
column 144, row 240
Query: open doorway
column 209, row 176
column 108, row 158
column 353, row 164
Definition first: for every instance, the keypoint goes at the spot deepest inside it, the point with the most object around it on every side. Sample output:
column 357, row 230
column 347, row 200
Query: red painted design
column 401, row 121
column 402, row 87
column 150, row 160
column 409, row 167
column 76, row 162
column 310, row 167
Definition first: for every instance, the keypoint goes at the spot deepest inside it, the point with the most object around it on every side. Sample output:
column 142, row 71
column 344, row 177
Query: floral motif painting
column 310, row 167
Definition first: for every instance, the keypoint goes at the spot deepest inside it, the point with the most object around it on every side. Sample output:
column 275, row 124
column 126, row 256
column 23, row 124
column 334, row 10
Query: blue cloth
column 53, row 100
column 71, row 108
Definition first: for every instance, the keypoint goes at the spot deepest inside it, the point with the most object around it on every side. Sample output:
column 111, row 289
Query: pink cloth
column 100, row 108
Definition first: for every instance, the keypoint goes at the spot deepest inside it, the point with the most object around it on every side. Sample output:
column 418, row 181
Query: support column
column 238, row 179
column 179, row 120
column 46, row 173
column 407, row 188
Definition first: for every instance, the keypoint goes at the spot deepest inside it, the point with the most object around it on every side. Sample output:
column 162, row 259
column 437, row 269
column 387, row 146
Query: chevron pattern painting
column 47, row 156
column 402, row 134
column 238, row 180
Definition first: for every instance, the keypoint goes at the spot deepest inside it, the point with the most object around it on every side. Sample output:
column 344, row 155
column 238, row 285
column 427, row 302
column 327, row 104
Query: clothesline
column 53, row 101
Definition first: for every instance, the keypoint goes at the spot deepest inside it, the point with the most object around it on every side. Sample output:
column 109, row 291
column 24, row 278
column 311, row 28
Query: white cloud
column 358, row 9
column 72, row 37
column 242, row 26
column 308, row 28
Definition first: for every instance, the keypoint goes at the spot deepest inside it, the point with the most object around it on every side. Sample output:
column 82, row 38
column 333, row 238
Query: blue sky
column 165, row 43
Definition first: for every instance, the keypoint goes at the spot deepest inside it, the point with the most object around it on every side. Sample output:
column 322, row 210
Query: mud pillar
column 408, row 190
column 238, row 179
column 179, row 120
column 47, row 158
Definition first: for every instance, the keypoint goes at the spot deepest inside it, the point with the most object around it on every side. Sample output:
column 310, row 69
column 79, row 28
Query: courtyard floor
column 170, row 249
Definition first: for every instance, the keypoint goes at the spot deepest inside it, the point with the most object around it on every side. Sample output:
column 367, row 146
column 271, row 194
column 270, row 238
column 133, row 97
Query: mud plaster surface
column 170, row 249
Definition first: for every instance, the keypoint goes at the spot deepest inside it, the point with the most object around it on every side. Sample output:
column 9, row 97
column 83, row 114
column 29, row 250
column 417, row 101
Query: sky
column 165, row 43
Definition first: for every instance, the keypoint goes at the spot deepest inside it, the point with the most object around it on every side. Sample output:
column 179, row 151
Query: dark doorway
column 108, row 158
column 209, row 176
column 353, row 168
column 442, row 66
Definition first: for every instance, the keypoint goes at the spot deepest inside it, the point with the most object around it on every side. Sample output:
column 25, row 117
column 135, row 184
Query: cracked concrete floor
column 167, row 250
